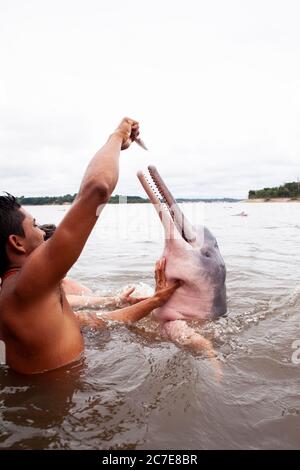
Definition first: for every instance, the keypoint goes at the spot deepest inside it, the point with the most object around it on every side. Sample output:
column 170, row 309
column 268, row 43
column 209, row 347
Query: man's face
column 34, row 236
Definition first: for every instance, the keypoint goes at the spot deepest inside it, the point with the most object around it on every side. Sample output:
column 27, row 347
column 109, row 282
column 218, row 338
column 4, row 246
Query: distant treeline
column 69, row 198
column 288, row 190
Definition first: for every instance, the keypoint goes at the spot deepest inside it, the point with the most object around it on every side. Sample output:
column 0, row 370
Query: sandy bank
column 278, row 199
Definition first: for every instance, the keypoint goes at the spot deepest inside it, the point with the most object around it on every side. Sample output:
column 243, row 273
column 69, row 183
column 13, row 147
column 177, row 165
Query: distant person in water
column 79, row 295
column 37, row 324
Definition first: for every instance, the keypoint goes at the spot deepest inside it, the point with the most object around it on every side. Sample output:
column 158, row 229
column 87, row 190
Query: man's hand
column 128, row 129
column 138, row 311
column 126, row 299
column 163, row 289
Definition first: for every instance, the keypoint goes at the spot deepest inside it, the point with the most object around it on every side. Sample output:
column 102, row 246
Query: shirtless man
column 37, row 324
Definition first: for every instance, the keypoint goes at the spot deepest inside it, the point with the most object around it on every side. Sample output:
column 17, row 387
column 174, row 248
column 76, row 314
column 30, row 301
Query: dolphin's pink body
column 192, row 256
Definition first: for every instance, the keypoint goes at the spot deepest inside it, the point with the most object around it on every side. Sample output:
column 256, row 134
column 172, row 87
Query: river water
column 132, row 390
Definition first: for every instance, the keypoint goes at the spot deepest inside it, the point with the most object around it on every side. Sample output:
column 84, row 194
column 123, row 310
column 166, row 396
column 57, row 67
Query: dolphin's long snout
column 163, row 215
column 182, row 224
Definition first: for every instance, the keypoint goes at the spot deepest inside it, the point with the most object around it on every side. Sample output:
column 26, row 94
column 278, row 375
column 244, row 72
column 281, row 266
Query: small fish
column 139, row 141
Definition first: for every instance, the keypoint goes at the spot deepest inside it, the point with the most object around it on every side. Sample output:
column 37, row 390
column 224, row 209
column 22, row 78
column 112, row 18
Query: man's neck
column 16, row 261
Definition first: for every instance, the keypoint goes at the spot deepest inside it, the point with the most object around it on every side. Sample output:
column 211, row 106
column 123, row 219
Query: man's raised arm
column 50, row 262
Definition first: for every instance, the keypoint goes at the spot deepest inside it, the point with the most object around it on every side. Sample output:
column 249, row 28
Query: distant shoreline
column 275, row 199
column 61, row 200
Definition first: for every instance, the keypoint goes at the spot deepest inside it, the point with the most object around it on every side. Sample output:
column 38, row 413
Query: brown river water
column 133, row 390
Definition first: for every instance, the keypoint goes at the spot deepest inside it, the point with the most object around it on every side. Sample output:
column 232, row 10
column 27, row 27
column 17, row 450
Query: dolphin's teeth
column 158, row 190
column 165, row 206
column 154, row 189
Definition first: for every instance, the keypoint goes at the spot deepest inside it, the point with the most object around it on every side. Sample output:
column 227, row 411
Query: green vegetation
column 43, row 200
column 69, row 198
column 288, row 190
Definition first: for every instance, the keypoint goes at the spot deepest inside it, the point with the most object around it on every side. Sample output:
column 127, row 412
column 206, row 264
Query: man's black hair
column 11, row 219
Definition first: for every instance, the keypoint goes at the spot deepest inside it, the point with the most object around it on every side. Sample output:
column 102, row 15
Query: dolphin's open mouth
column 182, row 224
column 193, row 256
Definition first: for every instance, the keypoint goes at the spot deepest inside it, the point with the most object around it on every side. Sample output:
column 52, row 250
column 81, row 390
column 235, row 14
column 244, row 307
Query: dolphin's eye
column 206, row 252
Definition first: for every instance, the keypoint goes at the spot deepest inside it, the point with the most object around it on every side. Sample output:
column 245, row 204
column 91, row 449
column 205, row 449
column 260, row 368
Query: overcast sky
column 215, row 86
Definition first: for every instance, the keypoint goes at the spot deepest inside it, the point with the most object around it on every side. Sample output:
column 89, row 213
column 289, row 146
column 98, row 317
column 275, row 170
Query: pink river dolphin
column 192, row 256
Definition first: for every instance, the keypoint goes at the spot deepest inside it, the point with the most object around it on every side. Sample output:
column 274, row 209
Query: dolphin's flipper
column 183, row 335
